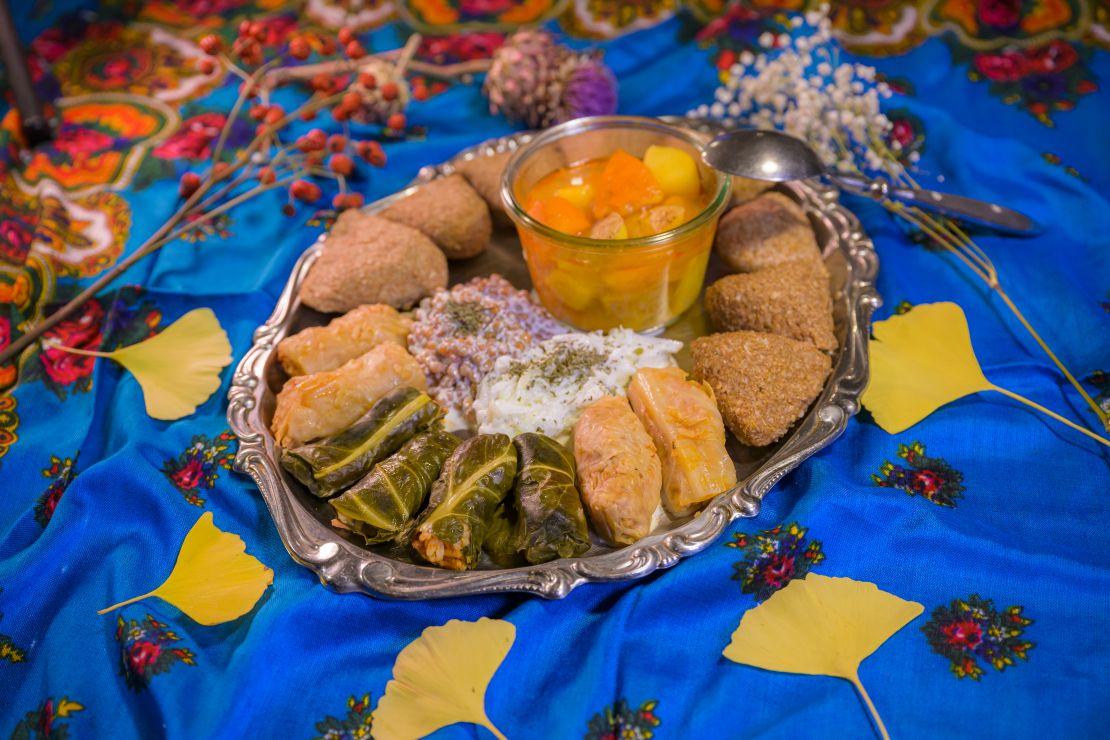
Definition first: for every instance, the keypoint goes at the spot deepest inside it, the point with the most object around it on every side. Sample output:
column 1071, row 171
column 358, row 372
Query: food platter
column 343, row 564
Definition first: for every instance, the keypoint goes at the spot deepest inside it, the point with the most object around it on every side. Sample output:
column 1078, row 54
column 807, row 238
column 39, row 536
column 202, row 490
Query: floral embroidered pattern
column 1040, row 79
column 438, row 16
column 79, row 236
column 929, row 477
column 101, row 324
column 967, row 631
column 355, row 726
column 8, row 650
column 198, row 467
column 611, row 18
column 143, row 60
column 773, row 558
column 61, row 474
column 147, row 649
column 1100, row 379
column 9, row 423
column 99, row 143
column 1054, row 159
column 43, row 723
column 622, row 722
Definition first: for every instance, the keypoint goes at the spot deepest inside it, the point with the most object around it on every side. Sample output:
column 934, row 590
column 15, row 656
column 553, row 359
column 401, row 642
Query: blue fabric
column 1029, row 530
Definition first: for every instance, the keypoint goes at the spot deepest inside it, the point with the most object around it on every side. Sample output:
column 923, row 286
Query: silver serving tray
column 345, row 565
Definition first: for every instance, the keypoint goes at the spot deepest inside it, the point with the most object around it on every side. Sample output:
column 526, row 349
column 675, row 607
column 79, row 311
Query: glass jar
column 642, row 283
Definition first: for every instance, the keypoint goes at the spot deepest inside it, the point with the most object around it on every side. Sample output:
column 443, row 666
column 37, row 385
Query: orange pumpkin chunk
column 560, row 214
column 626, row 185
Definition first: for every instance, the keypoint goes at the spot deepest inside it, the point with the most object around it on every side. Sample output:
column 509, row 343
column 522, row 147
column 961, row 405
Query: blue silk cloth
column 992, row 516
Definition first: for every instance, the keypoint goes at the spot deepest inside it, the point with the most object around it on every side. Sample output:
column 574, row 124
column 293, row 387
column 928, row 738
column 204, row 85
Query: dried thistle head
column 540, row 82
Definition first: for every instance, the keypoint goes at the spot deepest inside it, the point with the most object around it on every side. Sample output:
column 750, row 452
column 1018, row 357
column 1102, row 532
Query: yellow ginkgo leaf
column 440, row 678
column 822, row 627
column 179, row 368
column 922, row 360
column 214, row 579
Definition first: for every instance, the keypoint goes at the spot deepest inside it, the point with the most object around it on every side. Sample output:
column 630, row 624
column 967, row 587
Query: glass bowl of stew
column 634, row 277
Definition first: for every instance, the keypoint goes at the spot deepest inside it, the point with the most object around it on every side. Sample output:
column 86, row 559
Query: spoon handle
column 971, row 210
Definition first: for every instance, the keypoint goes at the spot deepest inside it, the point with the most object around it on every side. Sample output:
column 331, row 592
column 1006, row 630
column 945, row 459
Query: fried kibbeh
column 448, row 211
column 369, row 259
column 763, row 382
column 791, row 299
column 767, row 231
column 745, row 189
column 484, row 175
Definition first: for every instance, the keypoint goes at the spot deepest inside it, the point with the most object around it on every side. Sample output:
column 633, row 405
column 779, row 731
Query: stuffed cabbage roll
column 313, row 406
column 334, row 463
column 380, row 506
column 618, row 470
column 502, row 543
column 322, row 348
column 682, row 418
column 550, row 520
column 475, row 479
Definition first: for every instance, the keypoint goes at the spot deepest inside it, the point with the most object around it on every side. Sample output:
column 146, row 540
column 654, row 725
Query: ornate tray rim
column 345, row 567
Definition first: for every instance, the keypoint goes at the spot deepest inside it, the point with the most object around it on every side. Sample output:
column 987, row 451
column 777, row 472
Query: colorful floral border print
column 970, row 630
column 930, row 477
column 442, row 16
column 8, row 650
column 146, row 649
column 24, row 293
column 42, row 723
column 198, row 466
column 355, row 726
column 623, row 722
column 773, row 558
column 100, row 142
column 61, row 474
column 9, row 423
column 80, row 236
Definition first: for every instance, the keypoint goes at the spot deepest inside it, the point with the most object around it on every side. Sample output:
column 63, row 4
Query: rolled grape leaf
column 380, row 506
column 502, row 544
column 332, row 464
column 474, row 481
column 550, row 520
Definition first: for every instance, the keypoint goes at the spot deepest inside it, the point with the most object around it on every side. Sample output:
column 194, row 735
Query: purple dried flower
column 537, row 81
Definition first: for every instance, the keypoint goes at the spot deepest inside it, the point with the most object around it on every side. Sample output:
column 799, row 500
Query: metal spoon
column 778, row 157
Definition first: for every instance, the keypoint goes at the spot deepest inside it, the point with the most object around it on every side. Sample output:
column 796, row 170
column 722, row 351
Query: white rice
column 543, row 392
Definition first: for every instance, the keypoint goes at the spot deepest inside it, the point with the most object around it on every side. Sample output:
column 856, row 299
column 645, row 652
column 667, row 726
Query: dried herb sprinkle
column 469, row 317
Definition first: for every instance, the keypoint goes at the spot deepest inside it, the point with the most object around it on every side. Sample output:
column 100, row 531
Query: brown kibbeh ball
column 767, row 231
column 763, row 382
column 745, row 189
column 791, row 300
column 484, row 175
column 368, row 259
column 450, row 212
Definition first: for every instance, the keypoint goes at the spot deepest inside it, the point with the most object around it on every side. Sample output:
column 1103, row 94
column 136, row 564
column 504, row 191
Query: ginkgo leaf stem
column 76, row 351
column 496, row 732
column 854, row 678
column 1053, row 414
column 125, row 603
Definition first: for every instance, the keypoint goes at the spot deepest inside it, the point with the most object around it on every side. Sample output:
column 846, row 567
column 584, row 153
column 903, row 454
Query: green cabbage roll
column 502, row 543
column 550, row 520
column 332, row 464
column 475, row 480
column 383, row 504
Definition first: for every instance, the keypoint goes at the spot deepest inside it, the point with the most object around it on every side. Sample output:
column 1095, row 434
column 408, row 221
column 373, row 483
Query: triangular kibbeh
column 791, row 300
column 763, row 382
